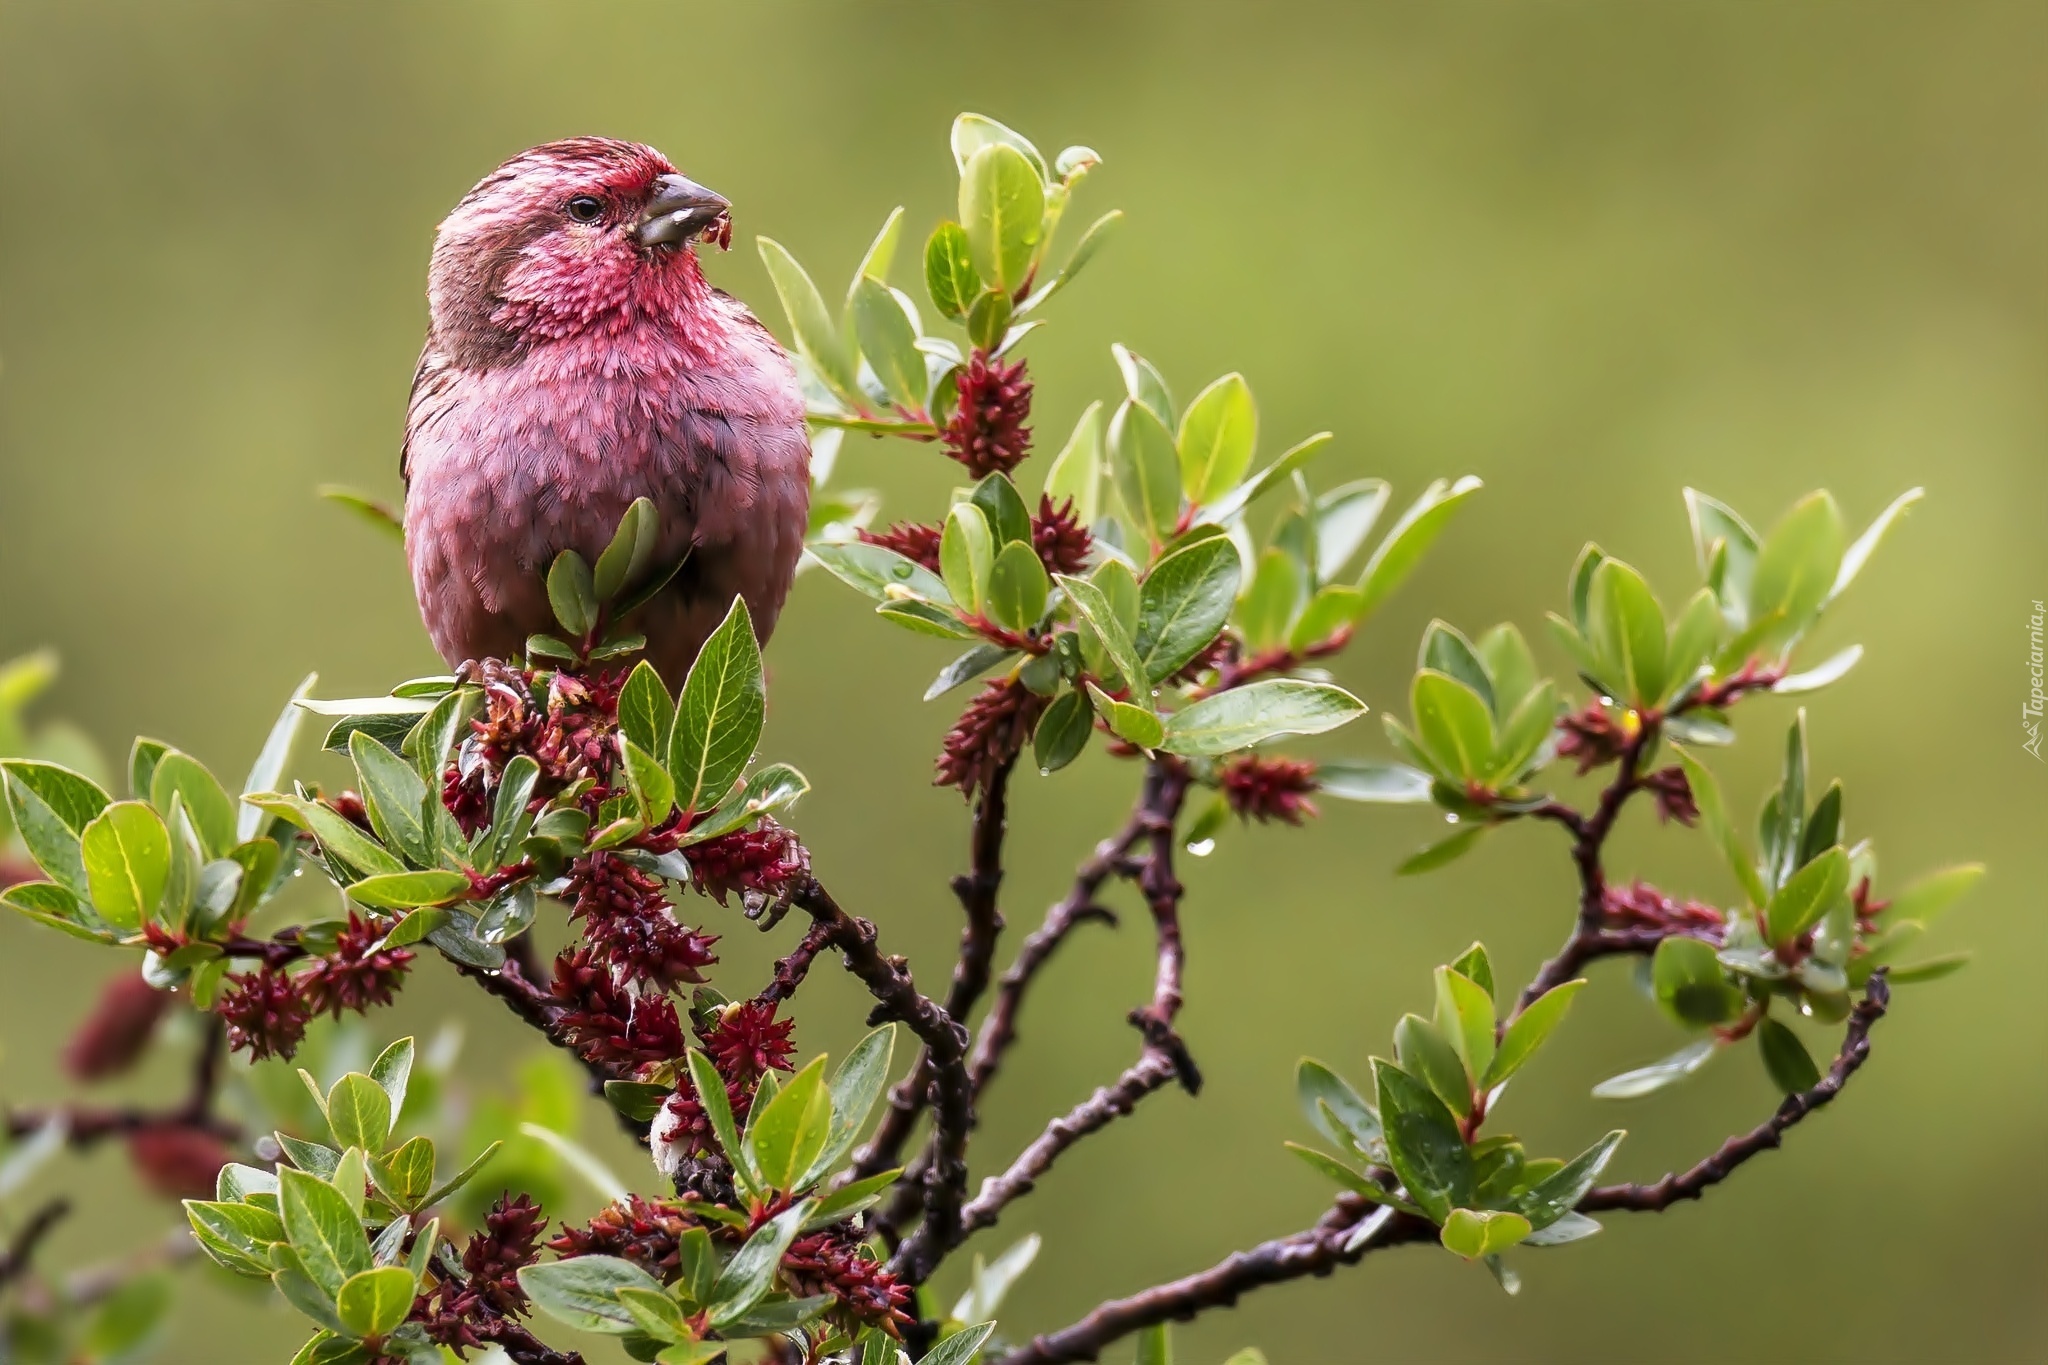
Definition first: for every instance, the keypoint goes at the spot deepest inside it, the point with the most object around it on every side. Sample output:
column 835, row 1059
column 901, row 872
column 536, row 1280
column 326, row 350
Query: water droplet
column 1450, row 819
column 1202, row 849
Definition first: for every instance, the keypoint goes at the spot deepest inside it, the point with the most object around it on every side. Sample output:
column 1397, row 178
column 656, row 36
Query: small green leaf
column 1075, row 476
column 630, row 551
column 1145, row 468
column 1444, row 851
column 1338, row 1112
column 710, row 1090
column 1383, row 783
column 1806, row 896
column 1689, row 983
column 1556, row 1195
column 1217, row 435
column 949, row 271
column 1062, row 732
column 888, row 339
column 720, row 713
column 1476, row 1233
column 1423, row 1143
column 811, row 324
column 1425, row 1053
column 1464, row 1011
column 650, row 784
column 1453, row 724
column 1133, row 724
column 572, row 594
column 126, row 853
column 323, row 1228
column 1017, row 587
column 1931, row 895
column 1529, row 1030
column 1002, row 207
column 1798, row 565
column 1647, row 1079
column 206, row 802
column 1094, row 607
column 1410, row 538
column 1144, row 385
column 375, row 1302
column 359, row 1112
column 1625, row 627
column 1245, row 716
column 405, row 890
column 582, row 1291
column 1271, row 600
column 406, row 1175
column 750, row 1273
column 645, row 711
column 1785, row 1058
column 51, row 806
column 1183, row 602
column 1706, row 794
column 1866, row 544
column 966, row 554
column 880, row 572
column 787, row 1133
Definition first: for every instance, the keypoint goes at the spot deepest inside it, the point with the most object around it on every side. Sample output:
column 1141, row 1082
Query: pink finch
column 577, row 360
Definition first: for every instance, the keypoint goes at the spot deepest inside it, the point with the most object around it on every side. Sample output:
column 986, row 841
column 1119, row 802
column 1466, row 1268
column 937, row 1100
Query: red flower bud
column 1264, row 788
column 992, row 731
column 117, row 1031
column 176, row 1160
column 987, row 432
column 265, row 1013
column 914, row 540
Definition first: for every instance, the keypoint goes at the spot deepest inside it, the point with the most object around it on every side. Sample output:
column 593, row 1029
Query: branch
column 1164, row 1056
column 791, row 969
column 945, row 1042
column 1691, row 1184
column 977, row 890
column 87, row 1125
column 14, row 1261
column 1340, row 1238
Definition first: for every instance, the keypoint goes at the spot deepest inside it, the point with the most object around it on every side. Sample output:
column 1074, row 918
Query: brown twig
column 1340, row 1238
column 791, row 969
column 21, row 1251
column 87, row 1125
column 1691, row 1184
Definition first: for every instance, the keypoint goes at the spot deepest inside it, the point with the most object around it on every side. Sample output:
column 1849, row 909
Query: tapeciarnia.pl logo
column 2030, row 714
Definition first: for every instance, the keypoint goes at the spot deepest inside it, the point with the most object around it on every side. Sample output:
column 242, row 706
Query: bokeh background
column 1590, row 252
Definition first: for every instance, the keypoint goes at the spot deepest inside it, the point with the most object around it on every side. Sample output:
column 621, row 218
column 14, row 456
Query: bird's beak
column 680, row 211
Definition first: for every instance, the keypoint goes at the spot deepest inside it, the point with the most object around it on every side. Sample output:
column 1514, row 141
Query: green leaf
column 1146, row 468
column 323, row 1228
column 629, row 552
column 359, row 1112
column 1062, row 732
column 1093, row 605
column 1693, row 637
column 299, row 1290
column 463, row 1176
column 1384, row 783
column 1017, row 587
column 1344, row 517
column 651, row 786
column 1425, row 1053
column 788, row 1132
column 1155, row 1345
column 1445, row 649
column 1410, row 538
column 1475, row 1233
column 1689, row 983
column 1333, row 609
column 750, row 1273
column 1075, row 475
column 975, row 662
column 1270, row 601
column 1338, row 1112
column 1442, row 852
column 1706, row 794
column 1423, row 1144
column 637, row 1100
column 583, row 1291
column 126, row 852
column 1002, row 207
column 1933, row 969
column 658, row 1315
column 959, row 1348
column 993, row 1280
column 572, row 594
column 406, row 890
column 1143, row 384
column 406, row 1175
column 1646, row 1079
column 849, row 1199
column 1250, row 715
column 1522, row 735
column 881, row 253
column 51, row 807
column 1715, row 523
column 966, row 554
column 1806, row 896
column 1278, row 474
column 1084, row 251
column 1464, row 1011
column 1798, row 564
column 925, row 619
column 1830, row 670
column 1475, row 966
column 720, row 713
column 1931, row 895
column 771, row 788
column 1184, row 600
column 1217, row 435
column 1866, row 544
column 710, row 1089
column 1529, row 1030
column 1008, row 518
column 888, row 339
column 1559, row 1193
column 809, row 322
column 1625, row 627
column 1133, row 724
column 395, row 797
column 375, row 1302
column 50, row 904
column 880, row 572
column 1453, row 725
column 949, row 270
column 645, row 711
column 206, row 803
column 1790, row 1066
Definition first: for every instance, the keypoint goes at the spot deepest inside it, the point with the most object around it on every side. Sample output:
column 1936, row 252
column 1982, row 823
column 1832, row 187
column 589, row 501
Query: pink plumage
column 577, row 360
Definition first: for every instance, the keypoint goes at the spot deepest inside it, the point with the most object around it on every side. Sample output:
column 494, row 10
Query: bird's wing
column 429, row 382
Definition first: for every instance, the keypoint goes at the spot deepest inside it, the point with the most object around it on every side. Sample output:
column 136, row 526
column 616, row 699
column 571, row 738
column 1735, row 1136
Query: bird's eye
column 585, row 209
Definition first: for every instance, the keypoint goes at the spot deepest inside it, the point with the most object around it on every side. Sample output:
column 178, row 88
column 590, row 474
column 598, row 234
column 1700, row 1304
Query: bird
column 577, row 359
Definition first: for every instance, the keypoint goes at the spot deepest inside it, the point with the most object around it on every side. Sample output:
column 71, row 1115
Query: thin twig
column 20, row 1252
column 791, row 969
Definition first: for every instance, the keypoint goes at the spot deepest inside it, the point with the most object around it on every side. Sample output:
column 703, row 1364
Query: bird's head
column 566, row 238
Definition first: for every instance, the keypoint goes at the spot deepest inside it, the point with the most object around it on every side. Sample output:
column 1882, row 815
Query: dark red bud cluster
column 1674, row 795
column 1259, row 787
column 265, row 1013
column 992, row 731
column 629, row 925
column 768, row 860
column 834, row 1262
column 1062, row 542
column 1592, row 738
column 177, row 1160
column 647, row 1232
column 606, row 1024
column 987, row 432
column 915, row 540
column 508, row 1242
column 746, row 1041
column 1641, row 906
column 117, row 1032
column 357, row 974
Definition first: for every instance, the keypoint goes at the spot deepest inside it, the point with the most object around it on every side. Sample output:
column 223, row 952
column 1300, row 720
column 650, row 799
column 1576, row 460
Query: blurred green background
column 1590, row 252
